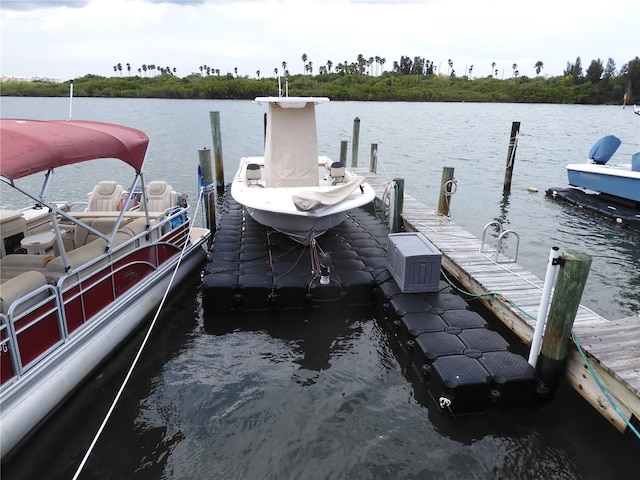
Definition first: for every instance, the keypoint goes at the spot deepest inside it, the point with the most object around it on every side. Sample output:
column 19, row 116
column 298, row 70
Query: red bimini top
column 33, row 146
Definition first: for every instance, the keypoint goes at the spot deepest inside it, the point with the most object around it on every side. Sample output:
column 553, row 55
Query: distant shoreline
column 347, row 87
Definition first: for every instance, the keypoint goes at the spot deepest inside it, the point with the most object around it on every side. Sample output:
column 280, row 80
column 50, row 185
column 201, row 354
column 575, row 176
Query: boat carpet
column 624, row 214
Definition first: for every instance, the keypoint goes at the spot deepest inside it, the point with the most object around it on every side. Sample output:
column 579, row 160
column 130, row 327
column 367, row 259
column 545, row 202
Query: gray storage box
column 414, row 262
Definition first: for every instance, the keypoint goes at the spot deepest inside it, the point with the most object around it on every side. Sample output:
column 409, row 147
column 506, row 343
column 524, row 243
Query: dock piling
column 549, row 280
column 214, row 118
column 209, row 194
column 355, row 142
column 395, row 224
column 447, row 188
column 373, row 165
column 572, row 277
column 343, row 151
column 511, row 156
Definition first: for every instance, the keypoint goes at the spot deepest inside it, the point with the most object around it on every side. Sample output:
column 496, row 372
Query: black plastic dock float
column 252, row 267
column 620, row 211
column 466, row 366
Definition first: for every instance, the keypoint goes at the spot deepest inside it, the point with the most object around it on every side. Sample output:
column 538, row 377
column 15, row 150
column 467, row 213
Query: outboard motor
column 604, row 149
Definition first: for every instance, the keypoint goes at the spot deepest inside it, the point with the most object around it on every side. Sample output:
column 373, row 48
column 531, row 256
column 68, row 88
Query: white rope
column 139, row 354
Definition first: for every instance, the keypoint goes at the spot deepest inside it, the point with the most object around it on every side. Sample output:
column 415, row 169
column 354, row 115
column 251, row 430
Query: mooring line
column 139, row 354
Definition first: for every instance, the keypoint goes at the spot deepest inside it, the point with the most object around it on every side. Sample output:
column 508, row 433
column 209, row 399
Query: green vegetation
column 409, row 80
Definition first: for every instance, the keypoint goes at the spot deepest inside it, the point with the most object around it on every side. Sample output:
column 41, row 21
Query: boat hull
column 301, row 229
column 618, row 182
column 31, row 399
column 276, row 208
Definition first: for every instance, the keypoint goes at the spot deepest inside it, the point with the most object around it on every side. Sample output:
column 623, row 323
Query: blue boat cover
column 604, row 149
column 635, row 162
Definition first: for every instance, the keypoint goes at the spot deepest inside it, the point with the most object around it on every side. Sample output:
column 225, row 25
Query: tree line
column 410, row 79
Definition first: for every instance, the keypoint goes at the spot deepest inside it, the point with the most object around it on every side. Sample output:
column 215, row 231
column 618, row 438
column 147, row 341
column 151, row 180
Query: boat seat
column 20, row 285
column 77, row 257
column 635, row 162
column 253, row 174
column 337, row 172
column 161, row 196
column 105, row 196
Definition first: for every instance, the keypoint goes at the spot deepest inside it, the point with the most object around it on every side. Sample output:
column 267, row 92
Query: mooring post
column 208, row 194
column 214, row 118
column 398, row 202
column 572, row 277
column 355, row 142
column 447, row 188
column 373, row 165
column 343, row 151
column 511, row 155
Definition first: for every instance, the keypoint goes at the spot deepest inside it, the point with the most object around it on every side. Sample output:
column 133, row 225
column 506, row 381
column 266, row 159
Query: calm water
column 323, row 395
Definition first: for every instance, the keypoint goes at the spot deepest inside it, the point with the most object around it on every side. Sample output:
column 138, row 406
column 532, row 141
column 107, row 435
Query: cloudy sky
column 70, row 38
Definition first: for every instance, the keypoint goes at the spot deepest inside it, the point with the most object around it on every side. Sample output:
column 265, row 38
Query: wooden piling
column 355, row 142
column 447, row 188
column 572, row 277
column 214, row 118
column 343, row 151
column 511, row 156
column 373, row 164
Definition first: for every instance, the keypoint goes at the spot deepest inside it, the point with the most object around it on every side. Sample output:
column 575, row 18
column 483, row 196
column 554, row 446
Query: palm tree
column 120, row 68
column 470, row 70
column 538, row 66
column 129, row 68
column 382, row 62
column 275, row 71
column 304, row 62
column 514, row 67
column 329, row 65
column 284, row 66
column 310, row 67
column 235, row 70
column 258, row 74
column 493, row 67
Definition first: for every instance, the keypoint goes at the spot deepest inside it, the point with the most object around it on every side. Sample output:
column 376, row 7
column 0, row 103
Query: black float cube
column 460, row 384
column 513, row 380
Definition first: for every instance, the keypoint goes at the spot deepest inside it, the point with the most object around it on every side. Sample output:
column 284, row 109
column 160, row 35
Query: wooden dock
column 611, row 347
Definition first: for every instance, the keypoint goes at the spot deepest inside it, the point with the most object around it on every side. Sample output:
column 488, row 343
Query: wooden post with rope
column 447, row 188
column 511, row 156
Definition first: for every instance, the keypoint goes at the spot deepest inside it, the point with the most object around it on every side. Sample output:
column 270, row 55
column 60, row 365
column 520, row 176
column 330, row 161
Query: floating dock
column 612, row 348
column 242, row 275
column 466, row 366
column 625, row 214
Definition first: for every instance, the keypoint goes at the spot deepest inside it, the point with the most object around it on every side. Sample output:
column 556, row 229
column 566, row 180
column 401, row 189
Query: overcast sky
column 68, row 39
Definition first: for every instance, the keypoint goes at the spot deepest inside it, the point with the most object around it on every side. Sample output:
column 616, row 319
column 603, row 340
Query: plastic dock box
column 414, row 262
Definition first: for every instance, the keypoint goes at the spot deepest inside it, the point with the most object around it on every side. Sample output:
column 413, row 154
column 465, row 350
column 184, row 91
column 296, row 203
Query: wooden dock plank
column 612, row 347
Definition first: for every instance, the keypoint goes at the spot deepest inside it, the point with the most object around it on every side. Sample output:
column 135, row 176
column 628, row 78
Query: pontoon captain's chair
column 105, row 196
column 161, row 196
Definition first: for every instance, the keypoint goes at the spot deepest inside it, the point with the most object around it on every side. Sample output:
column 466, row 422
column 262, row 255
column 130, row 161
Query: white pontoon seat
column 161, row 196
column 21, row 285
column 105, row 196
column 253, row 174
